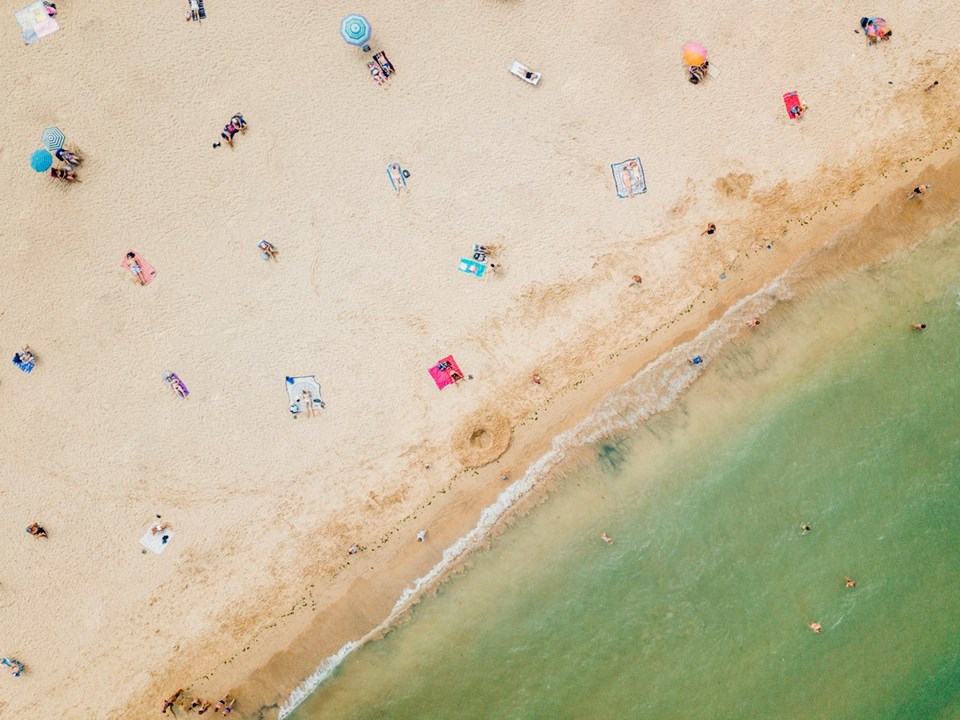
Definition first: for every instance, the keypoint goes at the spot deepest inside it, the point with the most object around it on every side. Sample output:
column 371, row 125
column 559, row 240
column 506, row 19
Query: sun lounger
column 629, row 179
column 147, row 271
column 525, row 73
column 398, row 177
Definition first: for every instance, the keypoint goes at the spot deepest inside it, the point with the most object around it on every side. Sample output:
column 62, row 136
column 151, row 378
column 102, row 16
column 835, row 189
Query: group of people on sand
column 178, row 700
column 236, row 125
column 70, row 162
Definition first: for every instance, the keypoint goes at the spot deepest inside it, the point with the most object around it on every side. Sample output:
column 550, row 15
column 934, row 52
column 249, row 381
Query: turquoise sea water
column 834, row 413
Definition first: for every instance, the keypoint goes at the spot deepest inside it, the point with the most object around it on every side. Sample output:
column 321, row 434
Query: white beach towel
column 156, row 543
column 295, row 388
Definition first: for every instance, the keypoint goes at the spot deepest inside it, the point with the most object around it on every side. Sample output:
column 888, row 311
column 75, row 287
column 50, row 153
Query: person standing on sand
column 421, row 535
column 917, row 191
column 637, row 280
column 536, row 378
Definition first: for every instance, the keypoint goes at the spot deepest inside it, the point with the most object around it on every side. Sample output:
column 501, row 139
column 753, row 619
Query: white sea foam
column 652, row 390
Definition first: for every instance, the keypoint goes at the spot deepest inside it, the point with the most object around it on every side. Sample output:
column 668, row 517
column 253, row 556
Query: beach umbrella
column 41, row 160
column 876, row 26
column 694, row 54
column 52, row 138
column 355, row 30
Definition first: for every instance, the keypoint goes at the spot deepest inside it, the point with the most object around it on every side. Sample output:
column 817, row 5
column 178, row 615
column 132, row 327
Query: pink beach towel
column 445, row 377
column 147, row 271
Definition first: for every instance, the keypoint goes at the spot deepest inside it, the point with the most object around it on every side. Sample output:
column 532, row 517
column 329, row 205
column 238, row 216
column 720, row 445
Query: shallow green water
column 833, row 413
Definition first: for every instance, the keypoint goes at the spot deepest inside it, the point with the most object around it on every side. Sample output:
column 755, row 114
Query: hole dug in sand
column 483, row 437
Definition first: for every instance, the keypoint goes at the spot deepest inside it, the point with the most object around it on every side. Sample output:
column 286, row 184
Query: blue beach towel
column 471, row 267
column 25, row 366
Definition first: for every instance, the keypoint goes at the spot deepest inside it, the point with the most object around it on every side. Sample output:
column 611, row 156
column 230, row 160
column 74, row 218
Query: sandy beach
column 256, row 586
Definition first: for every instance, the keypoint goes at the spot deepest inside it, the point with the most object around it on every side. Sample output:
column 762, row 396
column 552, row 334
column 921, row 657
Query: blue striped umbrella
column 52, row 138
column 41, row 160
column 355, row 30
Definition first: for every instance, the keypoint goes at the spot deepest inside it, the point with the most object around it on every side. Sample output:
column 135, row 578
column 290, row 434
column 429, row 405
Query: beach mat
column 148, row 270
column 398, row 180
column 156, row 543
column 295, row 388
column 629, row 178
column 35, row 23
column 791, row 101
column 471, row 267
column 443, row 377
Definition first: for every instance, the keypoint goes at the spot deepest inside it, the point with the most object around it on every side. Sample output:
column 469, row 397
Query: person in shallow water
column 816, row 627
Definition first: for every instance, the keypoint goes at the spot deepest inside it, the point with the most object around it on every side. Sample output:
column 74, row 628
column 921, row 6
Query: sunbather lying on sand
column 136, row 269
column 68, row 157
column 267, row 250
column 63, row 173
column 36, row 531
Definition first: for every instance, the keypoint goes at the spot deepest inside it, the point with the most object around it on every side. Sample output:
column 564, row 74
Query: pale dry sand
column 257, row 586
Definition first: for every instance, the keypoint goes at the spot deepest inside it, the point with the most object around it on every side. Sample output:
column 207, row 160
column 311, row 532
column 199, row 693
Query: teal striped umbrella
column 355, row 30
column 52, row 138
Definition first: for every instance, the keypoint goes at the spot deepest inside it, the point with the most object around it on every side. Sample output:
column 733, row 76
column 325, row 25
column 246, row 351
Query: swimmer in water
column 606, row 538
column 919, row 327
column 847, row 582
column 815, row 626
column 804, row 529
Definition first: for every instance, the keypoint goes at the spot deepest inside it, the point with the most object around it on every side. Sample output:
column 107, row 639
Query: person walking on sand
column 711, row 229
column 606, row 538
column 918, row 191
column 919, row 327
column 37, row 531
column 637, row 280
column 421, row 535
column 536, row 378
column 169, row 702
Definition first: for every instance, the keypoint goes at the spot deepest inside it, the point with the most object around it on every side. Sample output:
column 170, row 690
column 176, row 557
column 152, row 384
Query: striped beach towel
column 202, row 13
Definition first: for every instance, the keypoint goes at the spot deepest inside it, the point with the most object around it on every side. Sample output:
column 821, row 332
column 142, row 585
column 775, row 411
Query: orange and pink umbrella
column 694, row 54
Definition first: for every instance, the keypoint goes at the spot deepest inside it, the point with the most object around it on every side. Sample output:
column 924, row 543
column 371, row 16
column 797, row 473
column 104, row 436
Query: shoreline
column 527, row 492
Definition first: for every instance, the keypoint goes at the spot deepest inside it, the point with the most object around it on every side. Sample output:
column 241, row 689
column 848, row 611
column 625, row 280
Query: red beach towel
column 445, row 377
column 791, row 101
